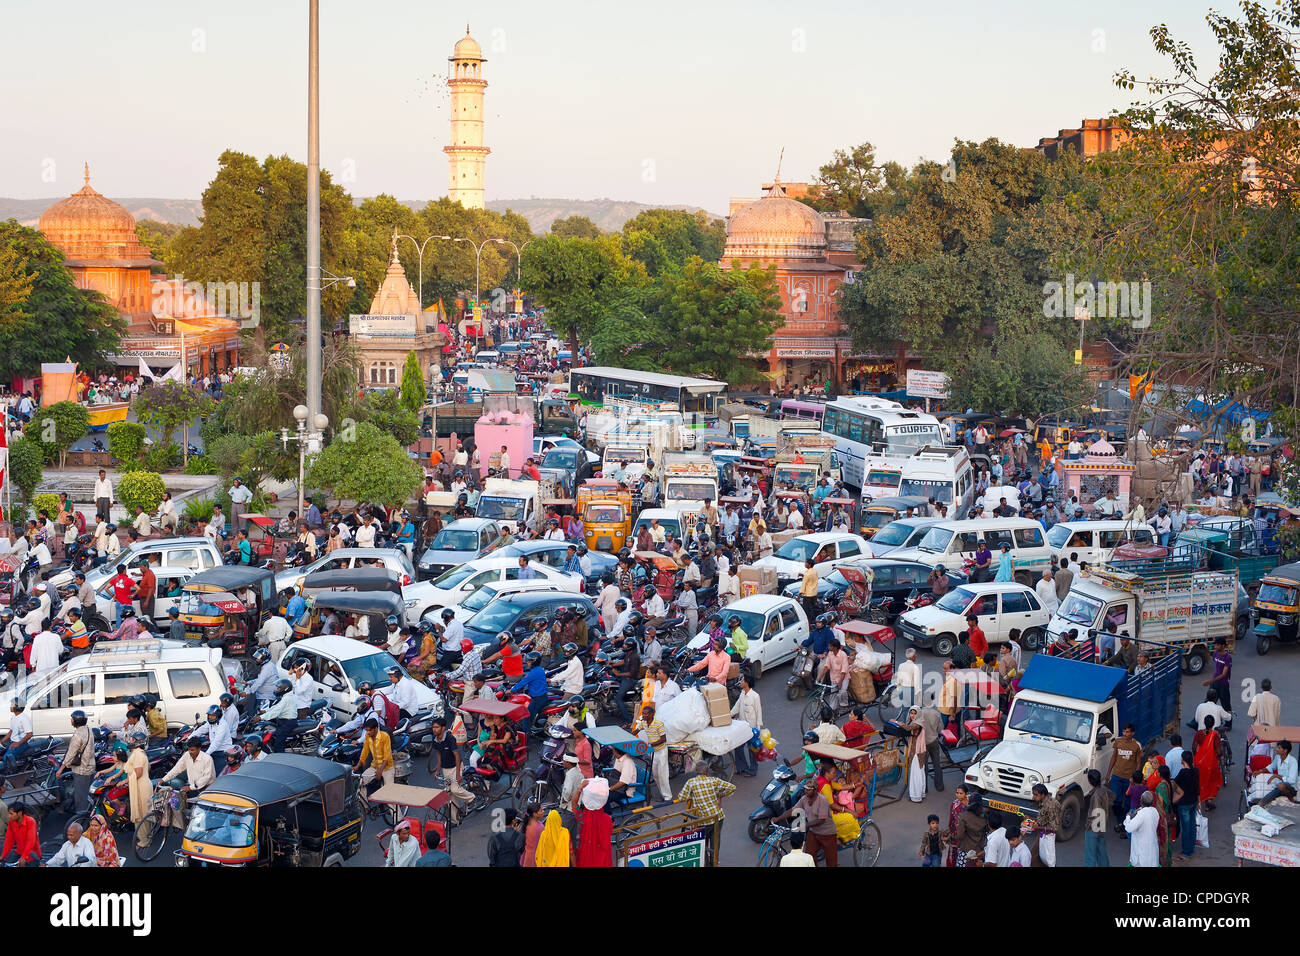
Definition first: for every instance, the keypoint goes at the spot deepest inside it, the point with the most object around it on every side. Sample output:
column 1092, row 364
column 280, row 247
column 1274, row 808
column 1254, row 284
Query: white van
column 488, row 357
column 941, row 472
column 1093, row 541
column 186, row 680
column 952, row 543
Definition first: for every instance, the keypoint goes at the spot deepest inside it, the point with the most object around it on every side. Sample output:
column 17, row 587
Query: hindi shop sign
column 923, row 384
column 382, row 326
column 679, row 849
column 808, row 352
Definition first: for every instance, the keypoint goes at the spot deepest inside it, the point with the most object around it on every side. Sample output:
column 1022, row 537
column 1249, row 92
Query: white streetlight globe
column 321, row 421
column 300, row 413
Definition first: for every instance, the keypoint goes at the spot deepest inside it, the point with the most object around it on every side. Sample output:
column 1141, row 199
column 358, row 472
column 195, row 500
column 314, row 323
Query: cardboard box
column 757, row 580
column 781, row 537
column 715, row 697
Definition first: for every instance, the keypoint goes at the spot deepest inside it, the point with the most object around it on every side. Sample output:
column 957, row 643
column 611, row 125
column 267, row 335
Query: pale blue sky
column 664, row 102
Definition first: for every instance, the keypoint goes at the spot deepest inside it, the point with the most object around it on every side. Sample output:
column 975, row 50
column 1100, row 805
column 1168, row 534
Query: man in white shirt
column 624, row 614
column 997, row 851
column 403, row 691
column 1045, row 590
column 452, row 632
column 197, row 767
column 584, row 560
column 795, row 521
column 797, row 856
column 275, row 635
column 665, row 687
column 303, row 686
column 167, row 520
column 365, row 533
column 749, row 708
column 46, row 648
column 461, row 458
column 656, row 612
column 218, row 522
column 1108, row 505
column 1207, row 706
column 609, row 594
column 20, row 733
column 908, row 679
column 141, row 523
column 1144, row 846
column 571, row 678
column 103, row 495
column 1266, row 708
column 505, row 461
column 240, row 495
column 77, row 850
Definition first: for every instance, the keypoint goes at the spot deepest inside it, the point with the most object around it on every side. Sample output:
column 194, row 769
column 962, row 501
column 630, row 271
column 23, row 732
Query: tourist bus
column 594, row 384
column 862, row 425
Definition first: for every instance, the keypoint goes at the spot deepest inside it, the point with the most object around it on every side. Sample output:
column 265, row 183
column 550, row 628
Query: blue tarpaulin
column 1234, row 413
column 1069, row 678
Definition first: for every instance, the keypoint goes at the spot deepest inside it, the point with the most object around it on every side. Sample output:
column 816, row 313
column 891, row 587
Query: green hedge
column 143, row 488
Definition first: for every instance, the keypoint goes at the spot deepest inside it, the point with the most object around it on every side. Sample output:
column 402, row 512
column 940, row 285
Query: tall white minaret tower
column 466, row 153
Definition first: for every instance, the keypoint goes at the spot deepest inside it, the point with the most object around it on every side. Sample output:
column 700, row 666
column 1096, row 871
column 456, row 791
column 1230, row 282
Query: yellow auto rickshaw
column 606, row 513
column 226, row 605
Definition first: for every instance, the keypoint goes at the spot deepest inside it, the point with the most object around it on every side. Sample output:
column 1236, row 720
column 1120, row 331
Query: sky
column 664, row 103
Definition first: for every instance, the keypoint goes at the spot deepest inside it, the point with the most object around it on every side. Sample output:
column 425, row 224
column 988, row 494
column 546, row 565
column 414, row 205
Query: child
column 933, row 842
column 1137, row 787
column 1020, row 855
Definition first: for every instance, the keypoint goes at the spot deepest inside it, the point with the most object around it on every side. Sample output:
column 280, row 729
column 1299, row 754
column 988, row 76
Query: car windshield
column 894, row 533
column 939, row 490
column 450, row 539
column 878, row 519
column 936, row 540
column 1051, row 720
column 603, row 514
column 496, row 616
column 883, row 479
column 371, row 667
column 669, row 525
column 562, row 458
column 222, row 826
column 691, row 491
column 455, row 576
column 835, row 578
column 955, row 601
column 1277, row 594
column 1058, row 536
column 1079, row 609
column 804, row 476
column 798, row 549
column 480, row 598
column 500, row 509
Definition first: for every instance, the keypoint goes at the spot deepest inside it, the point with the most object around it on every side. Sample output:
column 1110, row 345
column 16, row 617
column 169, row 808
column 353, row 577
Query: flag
column 145, row 370
column 1139, row 383
column 173, row 374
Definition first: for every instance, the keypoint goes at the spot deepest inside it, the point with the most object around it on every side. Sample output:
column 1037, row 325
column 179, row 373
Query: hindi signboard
column 382, row 326
column 923, row 384
column 677, row 849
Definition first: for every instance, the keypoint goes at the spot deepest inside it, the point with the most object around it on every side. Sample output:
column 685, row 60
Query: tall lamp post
column 315, row 357
column 419, row 248
column 306, row 438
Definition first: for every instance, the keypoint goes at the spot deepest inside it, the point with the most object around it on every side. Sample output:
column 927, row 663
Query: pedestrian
column 969, row 833
column 997, row 851
column 534, row 823
column 749, row 708
column 1221, row 679
column 1097, row 822
column 933, row 842
column 146, row 589
column 103, row 496
column 955, row 810
column 554, row 844
column 449, row 763
column 1125, row 758
column 1142, row 826
column 1046, row 825
column 1020, row 855
column 80, row 761
column 797, row 856
column 819, row 826
column 808, row 589
column 652, row 729
column 1064, row 577
column 595, row 826
column 506, row 846
column 433, row 855
column 1266, row 707
column 703, row 795
column 927, row 720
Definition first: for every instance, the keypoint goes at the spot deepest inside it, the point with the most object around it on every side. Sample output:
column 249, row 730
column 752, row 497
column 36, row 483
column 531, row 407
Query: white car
column 775, row 625
column 826, row 548
column 999, row 606
column 417, row 595
column 492, row 590
column 455, row 586
column 340, row 664
column 544, row 443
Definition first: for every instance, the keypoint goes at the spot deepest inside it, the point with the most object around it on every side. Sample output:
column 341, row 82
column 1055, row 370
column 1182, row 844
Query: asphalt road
column 901, row 822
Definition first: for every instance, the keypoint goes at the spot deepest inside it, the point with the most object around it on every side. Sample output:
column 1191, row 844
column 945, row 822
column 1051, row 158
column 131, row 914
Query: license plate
column 1009, row 807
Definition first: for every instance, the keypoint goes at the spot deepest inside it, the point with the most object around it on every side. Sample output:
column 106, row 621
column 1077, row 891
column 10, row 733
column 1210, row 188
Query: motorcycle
column 800, row 681
column 778, row 797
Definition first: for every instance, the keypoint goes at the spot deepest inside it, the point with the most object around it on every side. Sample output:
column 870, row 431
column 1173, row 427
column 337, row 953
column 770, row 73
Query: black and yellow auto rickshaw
column 226, row 605
column 1276, row 608
column 375, row 606
column 352, row 579
column 282, row 810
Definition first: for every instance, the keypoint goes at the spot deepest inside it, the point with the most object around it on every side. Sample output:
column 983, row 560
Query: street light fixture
column 308, row 439
column 419, row 247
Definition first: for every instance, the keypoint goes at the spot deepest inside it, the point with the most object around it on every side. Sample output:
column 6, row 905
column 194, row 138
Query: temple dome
column 776, row 227
column 89, row 226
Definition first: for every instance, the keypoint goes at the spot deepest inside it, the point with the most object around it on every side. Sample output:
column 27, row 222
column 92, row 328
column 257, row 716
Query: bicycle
column 153, row 832
column 818, row 698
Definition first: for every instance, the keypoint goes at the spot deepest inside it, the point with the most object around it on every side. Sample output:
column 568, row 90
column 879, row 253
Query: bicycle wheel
column 866, row 848
column 811, row 713
column 524, row 791
column 149, row 843
column 773, row 850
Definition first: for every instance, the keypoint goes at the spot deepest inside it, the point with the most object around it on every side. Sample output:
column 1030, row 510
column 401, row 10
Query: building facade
column 97, row 237
column 394, row 327
column 466, row 154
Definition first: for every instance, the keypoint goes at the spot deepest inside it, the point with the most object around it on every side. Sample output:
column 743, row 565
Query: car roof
column 537, row 597
column 229, row 577
column 756, row 602
column 1103, row 524
column 828, row 536
column 886, row 561
column 277, row 777
column 467, row 524
column 337, row 646
column 984, row 587
column 974, row 524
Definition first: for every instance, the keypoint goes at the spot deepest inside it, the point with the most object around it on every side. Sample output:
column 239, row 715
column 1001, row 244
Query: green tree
column 157, row 237
column 56, row 320
column 575, row 227
column 715, row 321
column 57, row 427
column 140, row 487
column 1022, row 374
column 167, row 406
column 264, row 400
column 591, row 291
column 126, row 441
column 387, row 412
column 253, row 457
column 371, row 467
column 25, row 467
column 669, row 238
column 413, row 393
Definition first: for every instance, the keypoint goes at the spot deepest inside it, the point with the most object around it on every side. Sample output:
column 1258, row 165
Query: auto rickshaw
column 606, row 513
column 215, row 606
column 282, row 810
column 1276, row 608
column 882, row 511
column 376, row 606
column 261, row 536
column 661, row 572
column 353, row 579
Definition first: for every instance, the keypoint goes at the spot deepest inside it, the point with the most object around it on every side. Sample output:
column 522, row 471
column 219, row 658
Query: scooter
column 778, row 797
column 800, row 681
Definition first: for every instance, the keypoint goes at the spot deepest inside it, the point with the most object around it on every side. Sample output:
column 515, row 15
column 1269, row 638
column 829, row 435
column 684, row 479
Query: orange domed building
column 97, row 237
column 812, row 255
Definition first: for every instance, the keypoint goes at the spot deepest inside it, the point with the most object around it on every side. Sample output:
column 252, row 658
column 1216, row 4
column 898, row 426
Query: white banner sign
column 392, row 326
column 923, row 384
column 811, row 352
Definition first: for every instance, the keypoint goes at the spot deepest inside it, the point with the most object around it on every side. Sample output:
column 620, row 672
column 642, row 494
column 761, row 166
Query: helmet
column 392, row 621
column 394, row 671
column 282, row 687
column 810, row 737
column 629, row 632
column 569, row 649
column 227, row 699
column 582, row 549
column 78, row 718
column 534, row 659
column 447, row 614
column 541, row 623
column 6, row 615
column 575, row 701
column 362, row 704
column 261, row 655
column 121, row 750
column 424, row 627
column 636, row 618
column 365, row 687
column 214, row 711
column 138, row 739
column 128, row 612
column 629, row 642
column 254, row 742
column 235, row 755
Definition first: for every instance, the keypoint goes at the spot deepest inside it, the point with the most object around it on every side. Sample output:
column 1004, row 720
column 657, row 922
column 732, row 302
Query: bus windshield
column 908, row 439
column 690, row 491
column 927, row 488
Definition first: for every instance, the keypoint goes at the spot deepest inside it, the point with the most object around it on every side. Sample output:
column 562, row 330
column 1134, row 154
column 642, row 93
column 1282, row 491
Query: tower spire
column 87, row 171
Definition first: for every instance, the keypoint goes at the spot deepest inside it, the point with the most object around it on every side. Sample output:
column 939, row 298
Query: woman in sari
column 1006, row 566
column 1164, row 802
column 554, row 845
column 533, row 827
column 955, row 810
column 139, row 786
column 595, row 826
column 1206, row 747
column 101, row 836
column 426, row 657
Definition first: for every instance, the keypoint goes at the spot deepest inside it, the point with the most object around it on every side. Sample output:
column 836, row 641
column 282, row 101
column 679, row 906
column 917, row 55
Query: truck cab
column 688, row 480
column 1063, row 723
column 516, row 504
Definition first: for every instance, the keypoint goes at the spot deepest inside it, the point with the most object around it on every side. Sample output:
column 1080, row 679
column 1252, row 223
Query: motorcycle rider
column 395, row 638
column 571, row 679
column 12, row 639
column 820, row 637
column 628, row 673
column 303, row 685
column 234, row 760
column 471, row 662
column 453, row 631
column 739, row 640
column 262, row 687
column 283, row 714
column 153, row 717
column 404, row 692
column 217, row 733
column 533, row 683
column 364, row 711
column 576, row 713
column 230, row 713
column 253, row 751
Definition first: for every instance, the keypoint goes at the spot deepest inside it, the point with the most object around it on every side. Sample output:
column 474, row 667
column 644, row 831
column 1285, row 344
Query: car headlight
column 1034, row 779
column 986, row 770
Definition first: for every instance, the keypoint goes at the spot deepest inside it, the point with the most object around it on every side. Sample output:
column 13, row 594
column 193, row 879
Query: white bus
column 862, row 425
column 941, row 472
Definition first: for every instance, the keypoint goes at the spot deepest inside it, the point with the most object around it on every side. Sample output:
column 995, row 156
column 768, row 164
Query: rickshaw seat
column 1260, row 763
column 418, row 829
column 980, row 729
column 949, row 737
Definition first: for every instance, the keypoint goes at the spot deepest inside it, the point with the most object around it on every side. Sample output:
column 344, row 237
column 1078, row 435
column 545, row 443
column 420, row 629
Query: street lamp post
column 419, row 248
column 306, row 439
column 315, row 358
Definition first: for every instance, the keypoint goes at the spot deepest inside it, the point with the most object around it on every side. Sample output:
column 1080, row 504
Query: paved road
column 902, row 822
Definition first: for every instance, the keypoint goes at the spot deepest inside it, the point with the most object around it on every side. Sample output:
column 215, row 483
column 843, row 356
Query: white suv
column 999, row 606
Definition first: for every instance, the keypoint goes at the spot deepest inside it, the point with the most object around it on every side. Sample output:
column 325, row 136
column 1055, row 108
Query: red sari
column 1206, row 760
column 595, row 838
